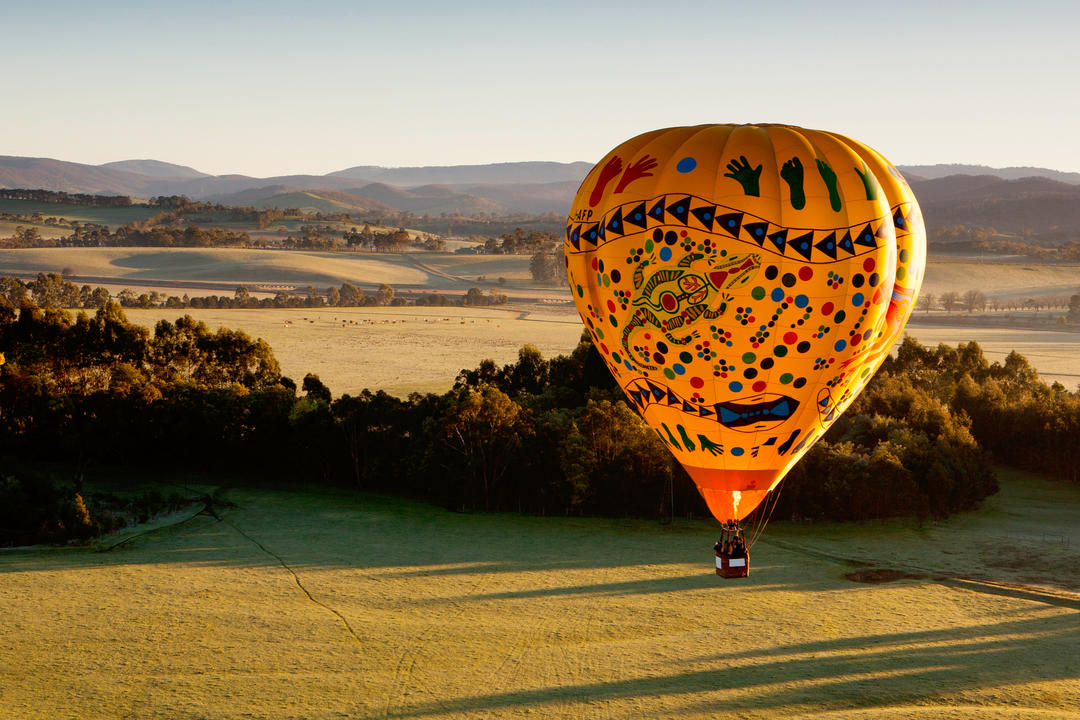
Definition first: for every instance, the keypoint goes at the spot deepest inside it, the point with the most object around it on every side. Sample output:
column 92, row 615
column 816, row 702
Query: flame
column 736, row 496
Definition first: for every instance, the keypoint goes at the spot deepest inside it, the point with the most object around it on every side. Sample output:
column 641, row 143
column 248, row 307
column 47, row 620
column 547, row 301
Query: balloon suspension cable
column 762, row 514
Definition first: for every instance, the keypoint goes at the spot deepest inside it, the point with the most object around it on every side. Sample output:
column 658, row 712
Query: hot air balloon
column 743, row 283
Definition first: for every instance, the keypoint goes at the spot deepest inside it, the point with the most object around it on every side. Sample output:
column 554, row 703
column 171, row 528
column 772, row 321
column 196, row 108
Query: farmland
column 414, row 349
column 320, row 605
column 399, row 350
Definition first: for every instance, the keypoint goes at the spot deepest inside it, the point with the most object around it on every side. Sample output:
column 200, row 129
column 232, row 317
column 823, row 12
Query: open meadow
column 1055, row 354
column 403, row 350
column 227, row 267
column 396, row 349
column 418, row 349
column 334, row 605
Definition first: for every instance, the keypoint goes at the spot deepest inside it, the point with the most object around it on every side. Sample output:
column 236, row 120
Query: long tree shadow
column 851, row 673
column 388, row 537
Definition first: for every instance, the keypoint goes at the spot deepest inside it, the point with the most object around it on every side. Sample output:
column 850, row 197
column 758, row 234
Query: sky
column 270, row 88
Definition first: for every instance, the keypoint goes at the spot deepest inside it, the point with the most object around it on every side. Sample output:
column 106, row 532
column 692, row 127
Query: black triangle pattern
column 757, row 231
column 591, row 235
column 637, row 217
column 846, row 245
column 779, row 239
column 866, row 237
column 731, row 222
column 680, row 208
column 657, row 211
column 705, row 215
column 827, row 245
column 804, row 244
column 615, row 223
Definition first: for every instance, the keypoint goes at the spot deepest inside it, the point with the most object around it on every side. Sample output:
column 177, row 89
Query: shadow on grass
column 859, row 672
column 384, row 537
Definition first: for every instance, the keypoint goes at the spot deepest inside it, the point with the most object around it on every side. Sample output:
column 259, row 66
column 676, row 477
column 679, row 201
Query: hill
column 930, row 172
column 1009, row 199
column 429, row 199
column 497, row 173
column 288, row 196
column 155, row 168
column 1033, row 204
column 49, row 174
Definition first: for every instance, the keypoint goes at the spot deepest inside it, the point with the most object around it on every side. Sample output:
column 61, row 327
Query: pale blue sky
column 267, row 88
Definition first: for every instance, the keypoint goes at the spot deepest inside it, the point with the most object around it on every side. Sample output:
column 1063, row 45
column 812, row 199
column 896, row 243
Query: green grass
column 113, row 217
column 323, row 605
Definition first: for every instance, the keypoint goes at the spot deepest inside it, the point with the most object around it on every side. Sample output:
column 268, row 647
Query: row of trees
column 52, row 290
column 54, row 196
column 543, row 436
column 976, row 300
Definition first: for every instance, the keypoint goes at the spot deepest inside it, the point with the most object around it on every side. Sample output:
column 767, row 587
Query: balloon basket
column 732, row 567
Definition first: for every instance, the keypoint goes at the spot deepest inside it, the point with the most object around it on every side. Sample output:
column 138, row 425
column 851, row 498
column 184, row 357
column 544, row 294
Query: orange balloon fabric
column 743, row 283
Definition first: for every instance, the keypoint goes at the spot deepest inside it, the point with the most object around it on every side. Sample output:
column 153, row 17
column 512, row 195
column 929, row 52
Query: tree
column 314, row 388
column 542, row 267
column 974, row 300
column 949, row 300
column 475, row 296
column 484, row 430
column 350, row 295
column 1074, row 309
column 384, row 295
column 926, row 302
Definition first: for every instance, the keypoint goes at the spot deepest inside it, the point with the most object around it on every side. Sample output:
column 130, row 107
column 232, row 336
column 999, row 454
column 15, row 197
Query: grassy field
column 1056, row 355
column 402, row 350
column 399, row 350
column 1002, row 280
column 321, row 605
column 356, row 348
column 113, row 217
column 219, row 270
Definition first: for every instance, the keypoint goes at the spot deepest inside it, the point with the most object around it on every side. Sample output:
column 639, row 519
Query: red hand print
column 638, row 170
column 607, row 174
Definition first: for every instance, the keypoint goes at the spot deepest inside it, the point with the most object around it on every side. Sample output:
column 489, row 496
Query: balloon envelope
column 743, row 283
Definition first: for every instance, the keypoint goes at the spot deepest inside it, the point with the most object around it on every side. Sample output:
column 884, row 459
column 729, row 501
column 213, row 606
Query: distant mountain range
column 1008, row 199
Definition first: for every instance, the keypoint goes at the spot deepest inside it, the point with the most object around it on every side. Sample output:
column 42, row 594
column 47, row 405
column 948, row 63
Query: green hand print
column 868, row 182
column 671, row 438
column 748, row 177
column 792, row 173
column 709, row 446
column 829, row 177
column 686, row 441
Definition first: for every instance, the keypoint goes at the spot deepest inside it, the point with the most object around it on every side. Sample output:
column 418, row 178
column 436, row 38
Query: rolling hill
column 156, row 168
column 1008, row 199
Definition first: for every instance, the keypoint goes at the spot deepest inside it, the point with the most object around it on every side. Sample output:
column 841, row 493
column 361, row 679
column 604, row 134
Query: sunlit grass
column 498, row 616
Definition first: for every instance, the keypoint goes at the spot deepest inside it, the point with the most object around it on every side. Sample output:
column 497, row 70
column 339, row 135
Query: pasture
column 403, row 350
column 333, row 605
column 440, row 271
column 399, row 350
column 417, row 349
column 205, row 271
column 1056, row 355
column 112, row 217
column 1001, row 280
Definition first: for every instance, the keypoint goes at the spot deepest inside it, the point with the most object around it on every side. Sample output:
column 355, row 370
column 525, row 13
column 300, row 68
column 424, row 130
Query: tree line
column 56, row 196
column 53, row 290
column 540, row 436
